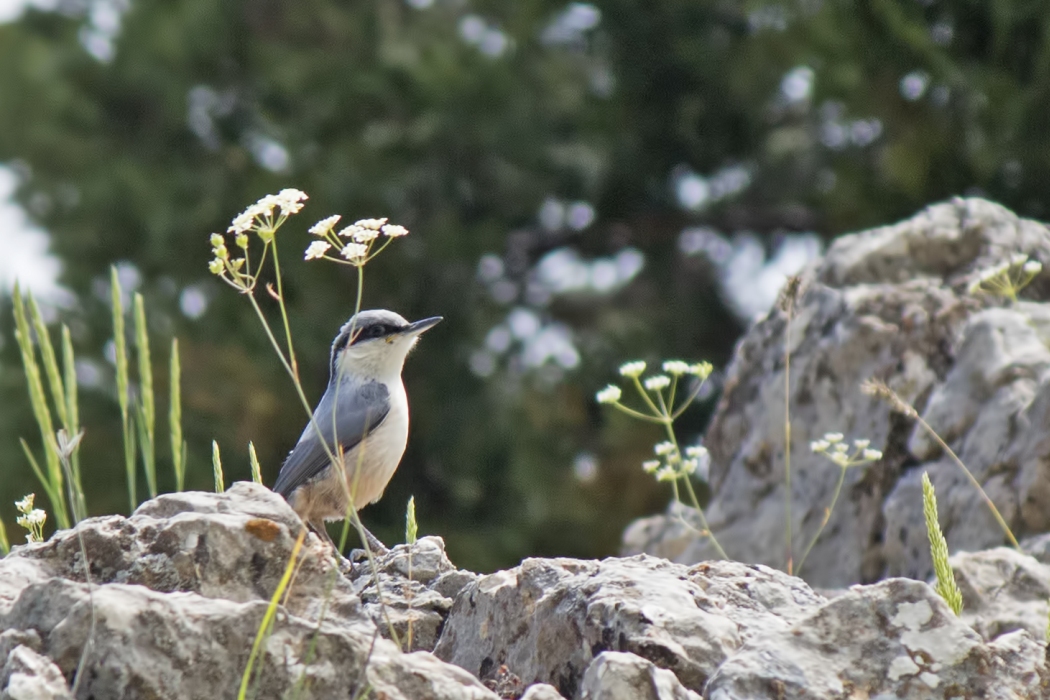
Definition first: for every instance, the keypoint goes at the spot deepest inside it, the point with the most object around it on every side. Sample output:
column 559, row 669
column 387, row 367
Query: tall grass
column 216, row 468
column 146, row 416
column 254, row 460
column 50, row 475
column 120, row 345
column 946, row 586
column 178, row 444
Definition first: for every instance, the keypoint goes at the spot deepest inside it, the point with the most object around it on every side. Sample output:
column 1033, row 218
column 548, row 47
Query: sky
column 26, row 257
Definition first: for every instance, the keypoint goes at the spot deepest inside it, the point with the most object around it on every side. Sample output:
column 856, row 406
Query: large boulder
column 891, row 304
column 547, row 619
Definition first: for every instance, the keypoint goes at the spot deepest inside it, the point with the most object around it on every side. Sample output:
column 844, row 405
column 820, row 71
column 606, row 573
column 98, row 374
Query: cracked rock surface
column 891, row 304
column 179, row 589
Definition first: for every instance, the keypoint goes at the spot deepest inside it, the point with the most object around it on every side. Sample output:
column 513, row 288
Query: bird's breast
column 373, row 462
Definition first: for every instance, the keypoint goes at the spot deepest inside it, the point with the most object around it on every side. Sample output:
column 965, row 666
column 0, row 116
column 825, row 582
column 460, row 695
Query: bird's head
column 373, row 344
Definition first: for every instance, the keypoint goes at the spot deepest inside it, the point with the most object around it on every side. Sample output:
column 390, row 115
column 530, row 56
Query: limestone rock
column 29, row 676
column 895, row 639
column 184, row 583
column 547, row 619
column 541, row 691
column 615, row 675
column 415, row 591
column 892, row 304
column 1003, row 591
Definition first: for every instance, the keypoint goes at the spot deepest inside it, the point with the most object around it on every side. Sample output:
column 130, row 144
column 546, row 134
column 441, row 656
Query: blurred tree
column 577, row 177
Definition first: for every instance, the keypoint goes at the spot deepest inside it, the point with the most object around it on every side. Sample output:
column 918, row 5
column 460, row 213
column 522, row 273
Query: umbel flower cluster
column 658, row 393
column 1007, row 279
column 32, row 519
column 356, row 244
column 663, row 403
column 834, row 448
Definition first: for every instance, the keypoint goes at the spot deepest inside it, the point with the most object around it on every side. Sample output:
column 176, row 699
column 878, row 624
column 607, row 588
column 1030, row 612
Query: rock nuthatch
column 362, row 416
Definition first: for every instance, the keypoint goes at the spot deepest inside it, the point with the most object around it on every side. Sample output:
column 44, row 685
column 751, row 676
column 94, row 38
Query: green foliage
column 126, row 420
column 50, row 477
column 216, row 468
column 178, row 444
column 254, row 460
column 146, row 416
column 382, row 109
column 946, row 587
column 411, row 527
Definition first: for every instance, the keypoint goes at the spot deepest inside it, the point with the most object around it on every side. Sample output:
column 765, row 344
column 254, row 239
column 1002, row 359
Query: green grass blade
column 411, row 527
column 5, row 544
column 47, row 353
column 120, row 344
column 271, row 609
column 216, row 467
column 946, row 587
column 69, row 369
column 147, row 404
column 178, row 456
column 52, row 481
column 256, row 467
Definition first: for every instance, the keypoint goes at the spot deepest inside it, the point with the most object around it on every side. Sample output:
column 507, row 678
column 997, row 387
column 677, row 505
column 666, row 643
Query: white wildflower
column 374, row 224
column 872, row 455
column 819, row 446
column 660, row 381
column 290, row 200
column 325, row 226
column 650, row 465
column 696, row 451
column 701, row 369
column 354, row 251
column 216, row 267
column 861, row 444
column 840, row 447
column 664, row 448
column 395, row 231
column 632, row 369
column 364, row 235
column 1018, row 259
column 242, row 223
column 26, row 504
column 610, row 394
column 676, row 367
column 1032, row 267
column 316, row 250
column 833, row 437
column 689, row 466
column 666, row 474
column 840, row 458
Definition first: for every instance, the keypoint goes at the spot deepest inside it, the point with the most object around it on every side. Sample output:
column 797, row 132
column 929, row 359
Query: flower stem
column 284, row 315
column 824, row 522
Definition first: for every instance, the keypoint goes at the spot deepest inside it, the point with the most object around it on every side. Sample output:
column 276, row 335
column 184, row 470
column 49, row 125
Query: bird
column 362, row 418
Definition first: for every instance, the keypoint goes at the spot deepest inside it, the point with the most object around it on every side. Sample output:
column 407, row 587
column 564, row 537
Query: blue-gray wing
column 346, row 414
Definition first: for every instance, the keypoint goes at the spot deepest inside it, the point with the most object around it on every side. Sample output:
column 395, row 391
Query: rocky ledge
column 167, row 603
column 178, row 590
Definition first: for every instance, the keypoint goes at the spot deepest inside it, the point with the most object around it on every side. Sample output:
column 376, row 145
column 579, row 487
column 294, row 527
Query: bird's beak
column 420, row 326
